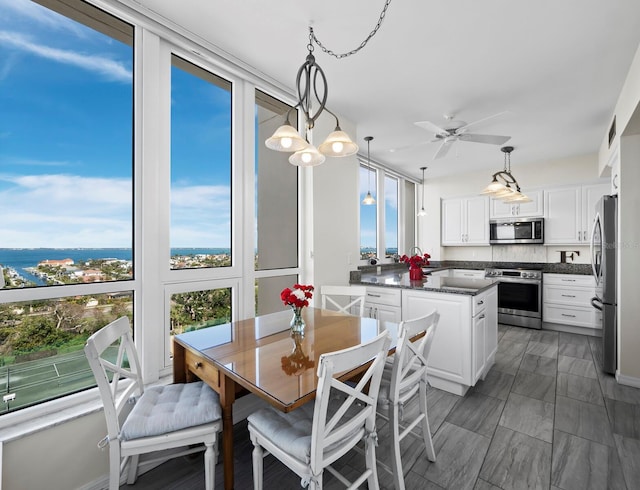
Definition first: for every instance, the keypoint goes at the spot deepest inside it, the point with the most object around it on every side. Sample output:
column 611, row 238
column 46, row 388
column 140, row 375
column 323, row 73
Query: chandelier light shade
column 504, row 185
column 311, row 84
column 422, row 211
column 368, row 199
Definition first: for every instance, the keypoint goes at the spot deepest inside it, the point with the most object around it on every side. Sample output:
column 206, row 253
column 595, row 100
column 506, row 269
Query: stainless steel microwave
column 516, row 230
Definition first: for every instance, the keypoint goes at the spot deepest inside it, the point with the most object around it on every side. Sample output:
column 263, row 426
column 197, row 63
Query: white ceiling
column 555, row 66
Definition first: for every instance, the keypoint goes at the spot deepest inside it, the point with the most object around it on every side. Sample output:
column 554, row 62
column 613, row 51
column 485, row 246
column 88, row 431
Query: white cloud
column 41, row 15
column 112, row 70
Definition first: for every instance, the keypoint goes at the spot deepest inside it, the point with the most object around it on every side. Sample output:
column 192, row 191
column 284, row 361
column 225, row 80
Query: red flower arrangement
column 297, row 297
column 416, row 261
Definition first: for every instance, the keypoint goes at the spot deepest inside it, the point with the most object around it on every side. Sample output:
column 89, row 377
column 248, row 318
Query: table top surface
column 263, row 356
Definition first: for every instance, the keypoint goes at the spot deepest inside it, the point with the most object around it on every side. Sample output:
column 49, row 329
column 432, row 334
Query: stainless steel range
column 519, row 296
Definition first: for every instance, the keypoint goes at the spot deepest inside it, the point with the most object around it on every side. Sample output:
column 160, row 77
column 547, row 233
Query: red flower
column 298, row 296
column 416, row 261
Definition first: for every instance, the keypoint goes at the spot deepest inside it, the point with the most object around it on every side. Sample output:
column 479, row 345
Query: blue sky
column 66, row 139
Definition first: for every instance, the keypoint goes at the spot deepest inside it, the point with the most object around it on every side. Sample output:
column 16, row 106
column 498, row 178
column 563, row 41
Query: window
column 368, row 214
column 66, row 197
column 200, row 167
column 390, row 216
column 276, row 226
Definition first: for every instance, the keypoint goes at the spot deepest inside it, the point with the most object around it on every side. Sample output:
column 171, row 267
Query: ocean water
column 21, row 259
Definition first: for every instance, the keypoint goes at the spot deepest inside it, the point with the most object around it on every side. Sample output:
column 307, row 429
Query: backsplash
column 519, row 253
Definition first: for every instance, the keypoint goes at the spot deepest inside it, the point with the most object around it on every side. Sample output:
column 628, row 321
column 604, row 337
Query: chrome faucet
column 415, row 248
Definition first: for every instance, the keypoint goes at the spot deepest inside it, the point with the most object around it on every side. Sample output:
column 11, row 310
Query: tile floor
column 545, row 417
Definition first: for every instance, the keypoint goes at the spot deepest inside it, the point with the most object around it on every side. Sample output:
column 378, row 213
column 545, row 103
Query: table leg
column 227, row 397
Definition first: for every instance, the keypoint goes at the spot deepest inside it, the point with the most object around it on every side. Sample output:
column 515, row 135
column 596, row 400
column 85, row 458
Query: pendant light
column 368, row 199
column 504, row 185
column 422, row 212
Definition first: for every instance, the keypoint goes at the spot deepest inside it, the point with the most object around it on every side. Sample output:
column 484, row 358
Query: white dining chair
column 310, row 438
column 403, row 380
column 344, row 298
column 142, row 421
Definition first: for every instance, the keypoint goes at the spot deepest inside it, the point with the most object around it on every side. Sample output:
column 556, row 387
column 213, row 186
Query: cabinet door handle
column 481, row 302
column 374, row 295
column 615, row 181
column 568, row 296
column 481, row 316
column 570, row 316
column 568, row 280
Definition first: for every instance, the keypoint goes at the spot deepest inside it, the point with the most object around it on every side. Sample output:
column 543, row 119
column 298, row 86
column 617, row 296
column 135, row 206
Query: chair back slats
column 343, row 412
column 410, row 364
column 118, row 376
column 355, row 296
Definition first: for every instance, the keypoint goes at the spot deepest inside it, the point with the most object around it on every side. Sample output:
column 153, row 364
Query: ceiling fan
column 454, row 130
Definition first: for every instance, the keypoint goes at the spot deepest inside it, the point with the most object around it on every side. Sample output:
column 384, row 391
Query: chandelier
column 311, row 86
column 504, row 185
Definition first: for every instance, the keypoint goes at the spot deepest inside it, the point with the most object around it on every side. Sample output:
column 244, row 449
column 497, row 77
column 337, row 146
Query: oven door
column 520, row 297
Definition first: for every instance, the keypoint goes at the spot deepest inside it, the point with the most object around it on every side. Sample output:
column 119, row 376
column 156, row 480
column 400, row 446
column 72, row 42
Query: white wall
column 571, row 170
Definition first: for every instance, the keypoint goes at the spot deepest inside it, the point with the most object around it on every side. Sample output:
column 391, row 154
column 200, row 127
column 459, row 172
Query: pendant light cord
column 312, row 36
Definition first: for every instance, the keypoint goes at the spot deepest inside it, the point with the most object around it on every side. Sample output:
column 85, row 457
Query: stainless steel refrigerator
column 603, row 261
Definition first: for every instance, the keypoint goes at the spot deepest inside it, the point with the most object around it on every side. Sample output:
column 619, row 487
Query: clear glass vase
column 297, row 322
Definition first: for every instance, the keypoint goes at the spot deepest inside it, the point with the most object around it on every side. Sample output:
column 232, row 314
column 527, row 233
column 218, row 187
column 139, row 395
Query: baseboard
column 557, row 327
column 627, row 380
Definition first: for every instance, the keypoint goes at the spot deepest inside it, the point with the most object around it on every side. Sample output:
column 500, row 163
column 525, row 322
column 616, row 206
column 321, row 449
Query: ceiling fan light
column 285, row 138
column 338, row 144
column 307, row 157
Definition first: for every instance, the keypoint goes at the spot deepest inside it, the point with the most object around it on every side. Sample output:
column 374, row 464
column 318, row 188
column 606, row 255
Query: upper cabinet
column 465, row 221
column 569, row 213
column 501, row 209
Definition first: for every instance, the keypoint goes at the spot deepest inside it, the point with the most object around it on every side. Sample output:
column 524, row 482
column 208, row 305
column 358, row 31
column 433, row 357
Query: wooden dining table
column 262, row 356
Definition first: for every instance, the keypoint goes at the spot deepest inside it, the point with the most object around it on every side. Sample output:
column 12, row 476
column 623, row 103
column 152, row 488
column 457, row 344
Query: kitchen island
column 466, row 338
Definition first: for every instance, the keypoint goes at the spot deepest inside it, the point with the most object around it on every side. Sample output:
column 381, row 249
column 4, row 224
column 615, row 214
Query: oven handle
column 514, row 279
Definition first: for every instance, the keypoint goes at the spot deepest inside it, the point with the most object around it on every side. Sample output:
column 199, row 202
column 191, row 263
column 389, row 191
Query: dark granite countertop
column 400, row 279
column 555, row 268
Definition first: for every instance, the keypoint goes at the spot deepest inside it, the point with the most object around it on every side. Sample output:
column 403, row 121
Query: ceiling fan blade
column 444, row 148
column 463, row 128
column 491, row 139
column 429, row 126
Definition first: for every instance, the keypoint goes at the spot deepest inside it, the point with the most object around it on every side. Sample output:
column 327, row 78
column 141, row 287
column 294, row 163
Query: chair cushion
column 291, row 431
column 169, row 408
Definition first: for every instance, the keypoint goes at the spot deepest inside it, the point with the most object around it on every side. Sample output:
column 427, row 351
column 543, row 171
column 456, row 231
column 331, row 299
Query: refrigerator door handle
column 596, row 303
column 591, row 245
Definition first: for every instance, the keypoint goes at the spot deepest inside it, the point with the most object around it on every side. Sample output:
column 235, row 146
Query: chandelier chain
column 312, row 37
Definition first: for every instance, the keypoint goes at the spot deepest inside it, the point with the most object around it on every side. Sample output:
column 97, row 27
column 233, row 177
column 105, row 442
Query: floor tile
column 624, row 417
column 509, row 356
column 629, row 452
column 529, row 416
column 544, row 336
column 574, row 345
column 547, row 366
column 459, row 453
column 542, row 349
column 439, row 405
column 583, row 419
column 516, row 461
column 496, row 384
column 517, row 335
column 580, row 388
column 579, row 367
column 484, row 485
column 535, row 386
column 478, row 413
column 611, row 389
column 582, row 464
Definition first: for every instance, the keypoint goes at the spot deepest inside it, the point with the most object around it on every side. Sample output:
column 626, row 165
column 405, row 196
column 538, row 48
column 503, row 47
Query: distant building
column 56, row 263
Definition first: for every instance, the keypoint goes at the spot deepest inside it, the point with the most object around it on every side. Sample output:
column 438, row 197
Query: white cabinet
column 465, row 221
column 383, row 304
column 466, row 336
column 501, row 209
column 570, row 212
column 567, row 300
